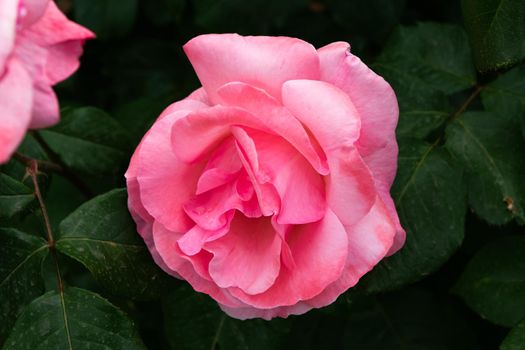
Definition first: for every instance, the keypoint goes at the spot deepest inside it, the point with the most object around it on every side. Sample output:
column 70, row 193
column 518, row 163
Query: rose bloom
column 39, row 47
column 268, row 188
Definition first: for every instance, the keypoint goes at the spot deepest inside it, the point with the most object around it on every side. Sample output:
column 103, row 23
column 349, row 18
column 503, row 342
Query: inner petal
column 300, row 188
column 248, row 257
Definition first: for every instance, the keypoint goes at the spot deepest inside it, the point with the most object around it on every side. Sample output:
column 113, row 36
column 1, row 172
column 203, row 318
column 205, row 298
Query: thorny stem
column 32, row 171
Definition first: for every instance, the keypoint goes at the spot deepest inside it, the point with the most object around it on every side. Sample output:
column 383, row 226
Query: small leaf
column 494, row 280
column 411, row 319
column 74, row 319
column 496, row 30
column 427, row 179
column 14, row 196
column 515, row 340
column 89, row 141
column 21, row 258
column 194, row 321
column 505, row 96
column 492, row 150
column 107, row 18
column 102, row 236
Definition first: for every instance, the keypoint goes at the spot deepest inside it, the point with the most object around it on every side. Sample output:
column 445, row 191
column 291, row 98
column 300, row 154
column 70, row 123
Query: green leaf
column 408, row 320
column 493, row 282
column 194, row 321
column 515, row 340
column 496, row 30
column 506, row 95
column 107, row 18
column 427, row 179
column 425, row 64
column 89, row 141
column 74, row 319
column 437, row 54
column 20, row 277
column 14, row 196
column 492, row 150
column 102, row 236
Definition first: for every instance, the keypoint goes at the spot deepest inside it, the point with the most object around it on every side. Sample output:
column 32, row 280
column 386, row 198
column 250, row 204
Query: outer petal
column 165, row 182
column 320, row 253
column 244, row 313
column 175, row 261
column 377, row 106
column 140, row 215
column 326, row 110
column 332, row 119
column 46, row 111
column 31, row 11
column 143, row 219
column 368, row 242
column 8, row 16
column 15, row 108
column 248, row 257
column 265, row 62
column 54, row 28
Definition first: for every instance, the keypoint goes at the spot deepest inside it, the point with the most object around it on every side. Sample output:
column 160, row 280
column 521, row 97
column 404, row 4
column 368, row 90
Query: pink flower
column 268, row 188
column 39, row 47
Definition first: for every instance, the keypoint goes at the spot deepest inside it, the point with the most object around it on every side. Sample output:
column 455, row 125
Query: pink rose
column 39, row 47
column 268, row 188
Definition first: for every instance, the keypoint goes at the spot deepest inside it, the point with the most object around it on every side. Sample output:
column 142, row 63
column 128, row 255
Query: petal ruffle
column 265, row 62
column 320, row 253
column 165, row 182
column 247, row 257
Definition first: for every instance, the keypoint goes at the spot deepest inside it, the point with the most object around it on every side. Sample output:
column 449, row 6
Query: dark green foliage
column 496, row 29
column 494, row 280
column 20, row 280
column 73, row 319
column 111, row 249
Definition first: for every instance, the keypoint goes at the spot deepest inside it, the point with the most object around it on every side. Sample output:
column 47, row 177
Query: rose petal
column 377, row 106
column 265, row 62
column 8, row 16
column 276, row 118
column 55, row 28
column 223, row 167
column 320, row 252
column 244, row 313
column 325, row 110
column 300, row 187
column 188, row 267
column 368, row 242
column 165, row 182
column 33, row 11
column 46, row 111
column 330, row 116
column 15, row 108
column 247, row 257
